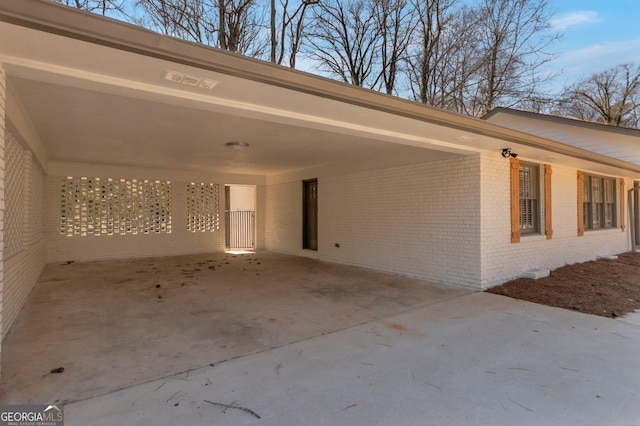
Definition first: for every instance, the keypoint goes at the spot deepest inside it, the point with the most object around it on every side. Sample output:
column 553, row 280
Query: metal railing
column 240, row 229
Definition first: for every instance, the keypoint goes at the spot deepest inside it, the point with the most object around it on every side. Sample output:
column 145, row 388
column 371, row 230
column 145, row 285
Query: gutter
column 79, row 25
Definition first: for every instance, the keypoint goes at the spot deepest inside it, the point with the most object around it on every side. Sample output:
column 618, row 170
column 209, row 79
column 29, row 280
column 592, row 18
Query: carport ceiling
column 80, row 125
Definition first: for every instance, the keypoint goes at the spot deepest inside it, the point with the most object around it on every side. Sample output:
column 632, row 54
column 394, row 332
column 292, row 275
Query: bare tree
column 514, row 35
column 344, row 40
column 189, row 20
column 396, row 22
column 426, row 53
column 234, row 25
column 610, row 97
column 241, row 27
column 103, row 7
column 287, row 37
column 443, row 56
column 274, row 37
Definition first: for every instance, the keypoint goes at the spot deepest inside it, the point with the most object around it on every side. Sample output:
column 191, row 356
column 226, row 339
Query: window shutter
column 622, row 222
column 515, row 200
column 580, row 203
column 548, row 229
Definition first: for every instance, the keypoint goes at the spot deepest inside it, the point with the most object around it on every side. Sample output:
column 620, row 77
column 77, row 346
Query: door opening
column 310, row 214
column 240, row 217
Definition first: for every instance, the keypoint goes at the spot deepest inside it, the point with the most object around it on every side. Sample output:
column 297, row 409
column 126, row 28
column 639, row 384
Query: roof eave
column 567, row 121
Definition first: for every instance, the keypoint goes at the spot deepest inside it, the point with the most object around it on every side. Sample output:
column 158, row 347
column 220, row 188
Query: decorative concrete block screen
column 14, row 197
column 203, row 207
column 98, row 206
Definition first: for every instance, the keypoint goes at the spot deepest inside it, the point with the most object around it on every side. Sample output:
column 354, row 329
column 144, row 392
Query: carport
column 119, row 144
column 121, row 118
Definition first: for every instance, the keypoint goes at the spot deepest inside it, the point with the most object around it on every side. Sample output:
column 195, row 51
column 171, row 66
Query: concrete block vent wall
column 166, row 221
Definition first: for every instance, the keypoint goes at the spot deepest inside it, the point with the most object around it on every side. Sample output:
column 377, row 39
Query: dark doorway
column 310, row 214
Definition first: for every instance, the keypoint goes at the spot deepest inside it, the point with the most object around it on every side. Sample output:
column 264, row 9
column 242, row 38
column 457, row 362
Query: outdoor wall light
column 506, row 153
column 236, row 145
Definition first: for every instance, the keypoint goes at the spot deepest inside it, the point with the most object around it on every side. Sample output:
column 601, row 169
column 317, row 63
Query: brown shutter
column 548, row 229
column 515, row 200
column 622, row 221
column 580, row 203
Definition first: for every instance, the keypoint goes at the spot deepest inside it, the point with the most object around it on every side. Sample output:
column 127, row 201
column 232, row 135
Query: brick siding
column 446, row 221
column 502, row 260
column 417, row 220
column 24, row 252
column 3, row 99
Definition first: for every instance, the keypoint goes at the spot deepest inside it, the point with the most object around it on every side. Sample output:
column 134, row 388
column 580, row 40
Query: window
column 529, row 198
column 598, row 202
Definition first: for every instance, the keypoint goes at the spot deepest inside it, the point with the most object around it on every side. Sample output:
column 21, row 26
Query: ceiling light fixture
column 236, row 145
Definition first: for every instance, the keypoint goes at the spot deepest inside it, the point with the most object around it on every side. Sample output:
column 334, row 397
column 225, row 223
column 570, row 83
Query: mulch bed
column 605, row 287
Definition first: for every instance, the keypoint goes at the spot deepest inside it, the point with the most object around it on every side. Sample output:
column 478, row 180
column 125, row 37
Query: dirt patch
column 605, row 287
column 398, row 327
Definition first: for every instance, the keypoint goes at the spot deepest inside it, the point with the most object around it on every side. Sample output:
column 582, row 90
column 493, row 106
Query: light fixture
column 236, row 145
column 189, row 80
column 506, row 153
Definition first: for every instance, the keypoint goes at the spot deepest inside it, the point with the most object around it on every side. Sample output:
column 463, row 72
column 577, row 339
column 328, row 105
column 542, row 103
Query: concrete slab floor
column 478, row 359
column 115, row 324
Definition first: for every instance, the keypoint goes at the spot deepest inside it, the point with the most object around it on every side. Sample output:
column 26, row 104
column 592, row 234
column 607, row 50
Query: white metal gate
column 240, row 229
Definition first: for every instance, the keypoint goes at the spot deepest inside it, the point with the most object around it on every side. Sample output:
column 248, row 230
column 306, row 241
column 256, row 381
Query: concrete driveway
column 269, row 339
column 477, row 359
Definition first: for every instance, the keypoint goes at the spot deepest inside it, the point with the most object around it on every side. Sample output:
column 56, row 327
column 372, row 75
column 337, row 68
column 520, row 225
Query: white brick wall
column 17, row 183
column 425, row 221
column 3, row 98
column 283, row 218
column 260, row 217
column 502, row 260
column 90, row 247
column 20, row 275
column 24, row 263
column 417, row 220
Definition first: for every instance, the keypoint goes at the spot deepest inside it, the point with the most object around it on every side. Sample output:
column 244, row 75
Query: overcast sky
column 598, row 34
